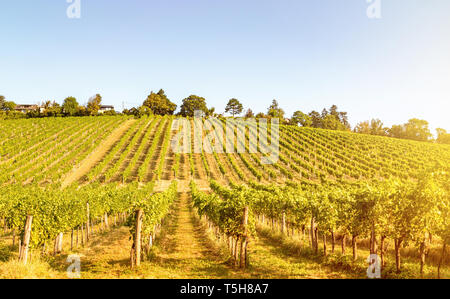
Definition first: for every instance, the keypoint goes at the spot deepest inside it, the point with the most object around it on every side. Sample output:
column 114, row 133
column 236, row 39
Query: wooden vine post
column 57, row 248
column 23, row 253
column 244, row 242
column 87, row 222
column 136, row 249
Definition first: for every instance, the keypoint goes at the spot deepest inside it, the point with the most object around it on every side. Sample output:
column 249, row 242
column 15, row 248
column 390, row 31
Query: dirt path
column 96, row 155
column 214, row 168
column 182, row 251
column 185, row 252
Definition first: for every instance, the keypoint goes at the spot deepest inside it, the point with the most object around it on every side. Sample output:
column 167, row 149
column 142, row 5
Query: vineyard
column 112, row 190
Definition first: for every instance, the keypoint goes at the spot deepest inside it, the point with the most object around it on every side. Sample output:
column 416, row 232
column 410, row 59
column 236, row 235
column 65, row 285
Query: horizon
column 305, row 55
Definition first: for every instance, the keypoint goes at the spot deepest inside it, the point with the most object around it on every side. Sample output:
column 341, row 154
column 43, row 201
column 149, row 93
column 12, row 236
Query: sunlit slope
column 49, row 150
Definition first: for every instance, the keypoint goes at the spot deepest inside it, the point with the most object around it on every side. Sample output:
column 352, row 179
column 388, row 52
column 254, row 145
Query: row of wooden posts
column 313, row 235
column 238, row 246
column 86, row 231
column 375, row 246
column 138, row 248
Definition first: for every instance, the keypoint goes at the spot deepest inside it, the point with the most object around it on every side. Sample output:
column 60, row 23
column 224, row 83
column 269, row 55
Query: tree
column 234, row 107
column 94, row 104
column 193, row 103
column 344, row 119
column 9, row 106
column 374, row 127
column 331, row 122
column 70, row 106
column 260, row 115
column 249, row 114
column 160, row 104
column 414, row 129
column 2, row 101
column 275, row 111
column 340, row 116
column 417, row 129
column 300, row 118
column 212, row 112
column 362, row 127
column 442, row 136
column 316, row 119
column 397, row 131
column 144, row 110
column 377, row 128
column 51, row 109
column 5, row 105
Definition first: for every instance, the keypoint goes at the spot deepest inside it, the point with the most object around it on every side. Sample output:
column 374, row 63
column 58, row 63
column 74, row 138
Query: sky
column 306, row 54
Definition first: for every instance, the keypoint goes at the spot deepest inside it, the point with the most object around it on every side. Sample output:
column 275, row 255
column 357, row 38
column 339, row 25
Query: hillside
column 50, row 150
column 87, row 184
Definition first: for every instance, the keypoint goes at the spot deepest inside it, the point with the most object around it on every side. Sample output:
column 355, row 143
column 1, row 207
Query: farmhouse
column 105, row 108
column 24, row 108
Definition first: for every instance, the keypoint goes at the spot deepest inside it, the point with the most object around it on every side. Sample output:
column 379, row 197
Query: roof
column 26, row 106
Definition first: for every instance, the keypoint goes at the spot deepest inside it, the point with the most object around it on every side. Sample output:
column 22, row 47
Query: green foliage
column 155, row 207
column 442, row 136
column 374, row 127
column 94, row 104
column 414, row 129
column 330, row 119
column 70, row 106
column 234, row 107
column 159, row 104
column 55, row 210
column 275, row 111
column 299, row 118
column 193, row 103
column 249, row 114
column 225, row 209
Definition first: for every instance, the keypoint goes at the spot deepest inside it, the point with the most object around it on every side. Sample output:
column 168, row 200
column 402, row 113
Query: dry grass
column 186, row 248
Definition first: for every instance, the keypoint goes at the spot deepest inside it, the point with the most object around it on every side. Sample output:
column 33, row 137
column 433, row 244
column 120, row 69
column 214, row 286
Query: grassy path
column 184, row 249
column 271, row 259
column 97, row 154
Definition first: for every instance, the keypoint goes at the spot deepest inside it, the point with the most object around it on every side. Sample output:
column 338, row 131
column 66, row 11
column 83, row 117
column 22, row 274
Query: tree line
column 70, row 107
column 159, row 104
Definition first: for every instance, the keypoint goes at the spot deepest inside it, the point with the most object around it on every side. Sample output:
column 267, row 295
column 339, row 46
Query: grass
column 186, row 248
column 345, row 264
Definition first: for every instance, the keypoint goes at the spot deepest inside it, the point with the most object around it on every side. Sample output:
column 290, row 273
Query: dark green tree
column 94, row 104
column 9, row 106
column 316, row 119
column 193, row 103
column 249, row 114
column 5, row 105
column 300, row 118
column 275, row 111
column 70, row 106
column 234, row 107
column 160, row 104
column 2, row 101
column 332, row 122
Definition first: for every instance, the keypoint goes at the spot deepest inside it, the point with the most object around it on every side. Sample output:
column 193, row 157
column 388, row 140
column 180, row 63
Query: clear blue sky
column 306, row 54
